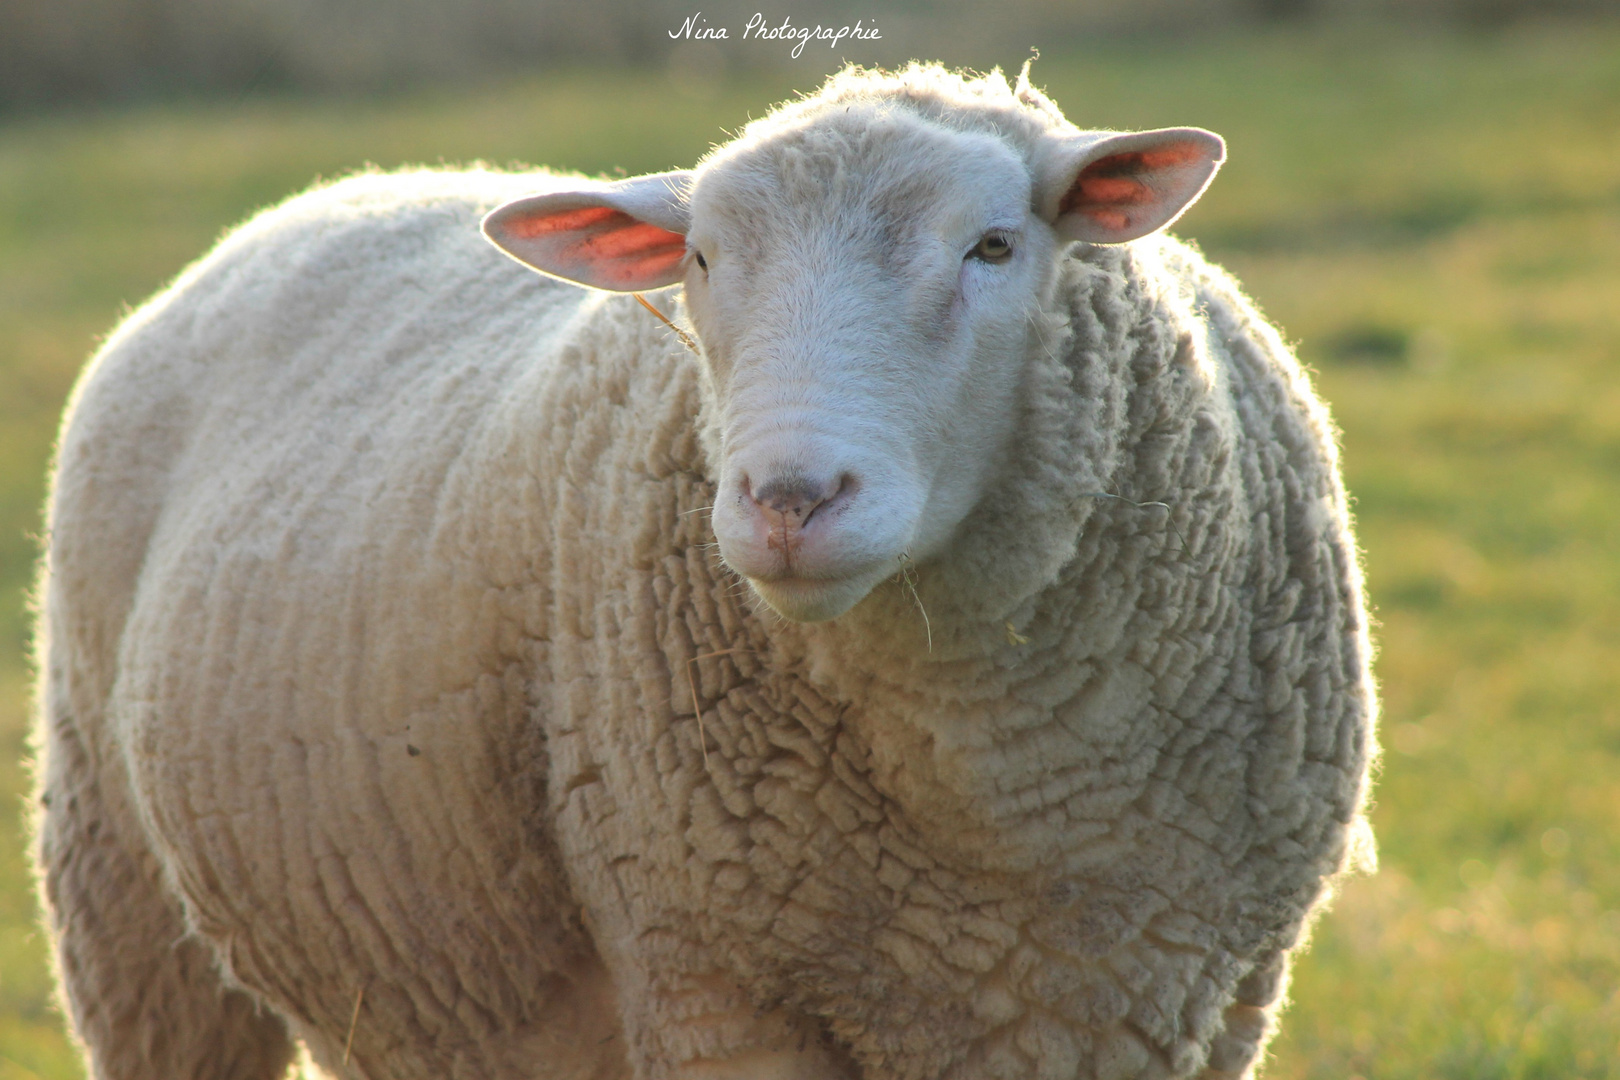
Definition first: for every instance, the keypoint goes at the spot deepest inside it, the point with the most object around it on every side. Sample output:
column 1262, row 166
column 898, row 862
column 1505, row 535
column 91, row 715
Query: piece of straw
column 908, row 578
column 697, row 706
column 354, row 1021
column 686, row 339
column 1168, row 520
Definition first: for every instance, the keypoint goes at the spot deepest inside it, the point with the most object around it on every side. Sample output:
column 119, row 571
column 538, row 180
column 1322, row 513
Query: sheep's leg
column 146, row 999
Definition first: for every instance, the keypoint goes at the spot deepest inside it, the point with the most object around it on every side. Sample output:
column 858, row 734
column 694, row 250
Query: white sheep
column 396, row 700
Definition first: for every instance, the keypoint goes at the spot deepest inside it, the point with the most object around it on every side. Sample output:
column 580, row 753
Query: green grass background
column 1435, row 221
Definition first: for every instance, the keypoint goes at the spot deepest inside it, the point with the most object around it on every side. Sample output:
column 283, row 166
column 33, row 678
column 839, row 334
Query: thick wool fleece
column 395, row 699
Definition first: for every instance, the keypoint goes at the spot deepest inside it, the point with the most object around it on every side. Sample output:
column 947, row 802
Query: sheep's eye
column 703, row 264
column 992, row 248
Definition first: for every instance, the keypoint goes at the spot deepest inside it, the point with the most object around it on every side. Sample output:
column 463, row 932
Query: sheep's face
column 863, row 288
column 865, row 284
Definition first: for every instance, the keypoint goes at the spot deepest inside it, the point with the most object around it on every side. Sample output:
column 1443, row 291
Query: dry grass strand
column 1168, row 520
column 686, row 339
column 697, row 705
column 354, row 1022
column 908, row 581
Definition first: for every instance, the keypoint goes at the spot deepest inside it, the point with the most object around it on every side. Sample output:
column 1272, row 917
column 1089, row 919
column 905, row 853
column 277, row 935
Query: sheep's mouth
column 813, row 599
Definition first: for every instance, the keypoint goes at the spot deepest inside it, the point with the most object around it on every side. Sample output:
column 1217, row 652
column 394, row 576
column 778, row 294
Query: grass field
column 1435, row 221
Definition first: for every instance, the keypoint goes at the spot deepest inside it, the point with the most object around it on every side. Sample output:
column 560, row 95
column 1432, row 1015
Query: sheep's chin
column 806, row 600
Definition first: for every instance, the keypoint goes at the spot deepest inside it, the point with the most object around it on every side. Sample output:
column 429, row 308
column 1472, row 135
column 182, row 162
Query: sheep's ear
column 1107, row 189
column 626, row 236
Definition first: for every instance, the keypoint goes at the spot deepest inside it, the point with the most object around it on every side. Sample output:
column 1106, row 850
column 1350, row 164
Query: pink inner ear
column 617, row 247
column 630, row 252
column 646, row 265
column 561, row 221
column 629, row 240
column 1109, row 188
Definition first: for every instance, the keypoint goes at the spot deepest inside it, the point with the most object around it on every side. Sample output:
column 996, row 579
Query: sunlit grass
column 1435, row 221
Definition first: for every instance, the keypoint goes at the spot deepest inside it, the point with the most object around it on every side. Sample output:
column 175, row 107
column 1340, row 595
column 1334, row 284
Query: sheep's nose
column 795, row 497
column 788, row 520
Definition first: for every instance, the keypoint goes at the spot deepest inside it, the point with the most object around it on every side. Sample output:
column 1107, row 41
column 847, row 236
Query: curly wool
column 389, row 669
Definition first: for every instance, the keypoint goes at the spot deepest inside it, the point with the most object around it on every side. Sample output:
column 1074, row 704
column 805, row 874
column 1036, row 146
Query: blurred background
column 1424, row 194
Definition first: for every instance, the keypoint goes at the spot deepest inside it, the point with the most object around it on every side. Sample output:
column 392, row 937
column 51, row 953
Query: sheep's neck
column 1014, row 678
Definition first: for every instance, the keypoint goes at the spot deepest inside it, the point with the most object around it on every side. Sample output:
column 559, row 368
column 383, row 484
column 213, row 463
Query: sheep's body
column 380, row 599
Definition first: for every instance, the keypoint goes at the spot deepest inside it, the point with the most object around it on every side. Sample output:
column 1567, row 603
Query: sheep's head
column 864, row 270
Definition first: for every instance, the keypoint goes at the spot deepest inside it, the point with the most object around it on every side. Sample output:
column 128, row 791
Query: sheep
column 943, row 657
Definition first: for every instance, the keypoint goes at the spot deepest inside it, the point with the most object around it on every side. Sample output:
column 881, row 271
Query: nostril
column 796, row 496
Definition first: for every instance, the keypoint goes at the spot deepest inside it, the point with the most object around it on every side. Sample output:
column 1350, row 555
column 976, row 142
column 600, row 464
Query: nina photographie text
column 695, row 28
